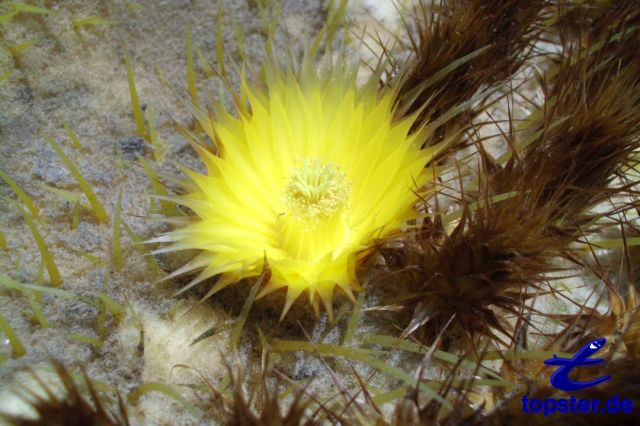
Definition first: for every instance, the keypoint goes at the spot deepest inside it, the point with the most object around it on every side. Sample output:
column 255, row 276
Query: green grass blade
column 191, row 73
column 138, row 117
column 242, row 318
column 17, row 348
column 86, row 339
column 72, row 137
column 22, row 47
column 615, row 243
column 12, row 284
column 45, row 254
column 237, row 30
column 26, row 200
column 156, row 142
column 95, row 260
column 95, row 203
column 523, row 355
column 135, row 395
column 36, row 309
column 116, row 240
column 68, row 196
column 204, row 64
column 101, row 321
column 361, row 355
column 3, row 242
column 219, row 40
column 8, row 16
column 455, row 215
column 5, row 76
column 113, row 307
column 75, row 218
column 90, row 20
column 393, row 342
column 166, row 207
column 355, row 319
column 392, row 395
column 137, row 240
column 27, row 8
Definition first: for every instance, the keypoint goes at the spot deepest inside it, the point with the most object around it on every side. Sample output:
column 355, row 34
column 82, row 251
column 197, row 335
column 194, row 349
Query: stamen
column 315, row 190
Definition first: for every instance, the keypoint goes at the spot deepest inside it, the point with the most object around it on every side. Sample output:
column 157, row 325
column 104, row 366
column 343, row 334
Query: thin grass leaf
column 114, row 308
column 391, row 395
column 173, row 310
column 133, row 6
column 502, row 160
column 394, row 342
column 166, row 207
column 91, row 258
column 614, row 243
column 3, row 242
column 208, row 333
column 116, row 239
column 72, row 137
column 95, row 203
column 355, row 319
column 86, row 339
column 335, row 20
column 22, row 47
column 27, row 8
column 17, row 348
column 135, row 395
column 45, row 254
column 26, row 200
column 35, row 300
column 36, row 310
column 12, row 284
column 101, row 321
column 5, row 76
column 156, row 143
column 90, row 21
column 361, row 355
column 270, row 23
column 438, row 76
column 191, row 73
column 455, row 215
column 237, row 30
column 204, row 64
column 523, row 355
column 138, row 116
column 65, row 195
column 244, row 314
column 75, row 218
column 137, row 240
column 8, row 16
column 219, row 40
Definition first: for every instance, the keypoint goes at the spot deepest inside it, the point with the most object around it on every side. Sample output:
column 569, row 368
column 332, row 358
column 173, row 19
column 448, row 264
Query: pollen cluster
column 315, row 190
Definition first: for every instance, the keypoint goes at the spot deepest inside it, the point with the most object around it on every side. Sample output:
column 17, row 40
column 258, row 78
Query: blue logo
column 560, row 379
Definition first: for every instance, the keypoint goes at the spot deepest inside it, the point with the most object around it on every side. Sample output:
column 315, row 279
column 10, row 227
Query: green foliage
column 26, row 200
column 17, row 348
column 138, row 116
column 90, row 21
column 96, row 206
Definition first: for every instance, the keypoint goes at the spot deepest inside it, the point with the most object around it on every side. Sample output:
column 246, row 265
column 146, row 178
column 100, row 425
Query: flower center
column 316, row 190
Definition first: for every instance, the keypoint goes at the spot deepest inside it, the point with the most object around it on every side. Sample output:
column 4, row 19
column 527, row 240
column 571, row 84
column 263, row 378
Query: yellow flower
column 311, row 175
